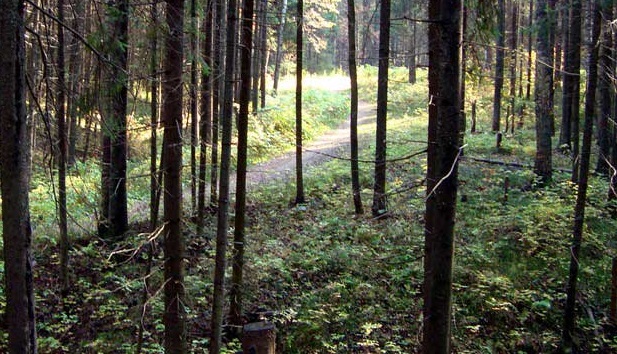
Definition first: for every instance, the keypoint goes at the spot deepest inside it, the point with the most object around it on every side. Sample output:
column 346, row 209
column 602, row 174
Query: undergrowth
column 334, row 282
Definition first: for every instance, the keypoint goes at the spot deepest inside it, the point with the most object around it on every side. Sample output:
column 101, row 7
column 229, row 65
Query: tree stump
column 259, row 338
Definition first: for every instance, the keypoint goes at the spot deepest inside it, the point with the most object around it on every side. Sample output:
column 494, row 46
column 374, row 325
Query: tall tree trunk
column 411, row 65
column 606, row 74
column 265, row 54
column 499, row 64
column 574, row 53
column 115, row 120
column 62, row 152
column 568, row 342
column 206, row 114
column 513, row 56
column 175, row 313
column 279, row 47
column 442, row 181
column 217, row 74
column 155, row 183
column 223, row 201
column 299, row 52
column 529, row 49
column 246, row 43
column 379, row 190
column 76, row 58
column 543, row 86
column 15, row 174
column 193, row 105
column 353, row 114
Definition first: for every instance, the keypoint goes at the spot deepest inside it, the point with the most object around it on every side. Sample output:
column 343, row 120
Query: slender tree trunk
column 379, row 191
column 206, row 114
column 155, row 183
column 175, row 314
column 299, row 52
column 76, row 58
column 412, row 55
column 568, row 342
column 62, row 154
column 513, row 56
column 263, row 63
column 442, row 181
column 606, row 74
column 246, row 42
column 529, row 49
column 543, row 86
column 279, row 47
column 499, row 65
column 223, row 201
column 353, row 115
column 193, row 104
column 15, row 177
column 217, row 74
column 574, row 46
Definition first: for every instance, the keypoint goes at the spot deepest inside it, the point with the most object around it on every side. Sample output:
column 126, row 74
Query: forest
column 302, row 176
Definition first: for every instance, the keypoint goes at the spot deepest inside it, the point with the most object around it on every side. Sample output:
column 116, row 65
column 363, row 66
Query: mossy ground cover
column 338, row 283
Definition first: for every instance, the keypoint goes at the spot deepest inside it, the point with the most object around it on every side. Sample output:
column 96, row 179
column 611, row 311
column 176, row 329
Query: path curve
column 336, row 142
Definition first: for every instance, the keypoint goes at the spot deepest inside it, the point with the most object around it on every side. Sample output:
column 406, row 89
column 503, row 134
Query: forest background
column 115, row 113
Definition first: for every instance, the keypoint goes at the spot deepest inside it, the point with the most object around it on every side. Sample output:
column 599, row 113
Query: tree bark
column 62, row 157
column 114, row 123
column 379, row 206
column 543, row 87
column 15, row 177
column 206, row 114
column 223, row 200
column 443, row 151
column 193, row 105
column 353, row 115
column 175, row 313
column 568, row 342
column 155, row 183
column 299, row 52
column 246, row 46
column 279, row 47
column 606, row 74
column 499, row 64
column 529, row 49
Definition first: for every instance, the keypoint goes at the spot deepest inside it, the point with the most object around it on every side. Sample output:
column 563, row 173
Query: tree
column 543, row 87
column 14, row 180
column 568, row 343
column 353, row 114
column 279, row 46
column 155, row 183
column 569, row 133
column 174, row 316
column 205, row 130
column 222, row 223
column 246, row 46
column 379, row 207
column 499, row 64
column 441, row 176
column 299, row 51
column 114, row 129
column 62, row 156
column 193, row 103
column 606, row 73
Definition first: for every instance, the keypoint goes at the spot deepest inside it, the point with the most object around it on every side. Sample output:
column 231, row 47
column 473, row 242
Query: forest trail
column 334, row 144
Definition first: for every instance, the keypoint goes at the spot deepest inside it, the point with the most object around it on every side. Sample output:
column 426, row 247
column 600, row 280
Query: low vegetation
column 334, row 282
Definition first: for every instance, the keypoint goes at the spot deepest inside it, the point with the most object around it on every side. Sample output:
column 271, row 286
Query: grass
column 334, row 282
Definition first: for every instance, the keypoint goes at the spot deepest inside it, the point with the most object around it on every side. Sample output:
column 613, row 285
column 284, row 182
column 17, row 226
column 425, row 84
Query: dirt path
column 334, row 143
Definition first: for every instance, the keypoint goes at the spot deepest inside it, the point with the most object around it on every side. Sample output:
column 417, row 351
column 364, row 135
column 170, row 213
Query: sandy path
column 333, row 143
